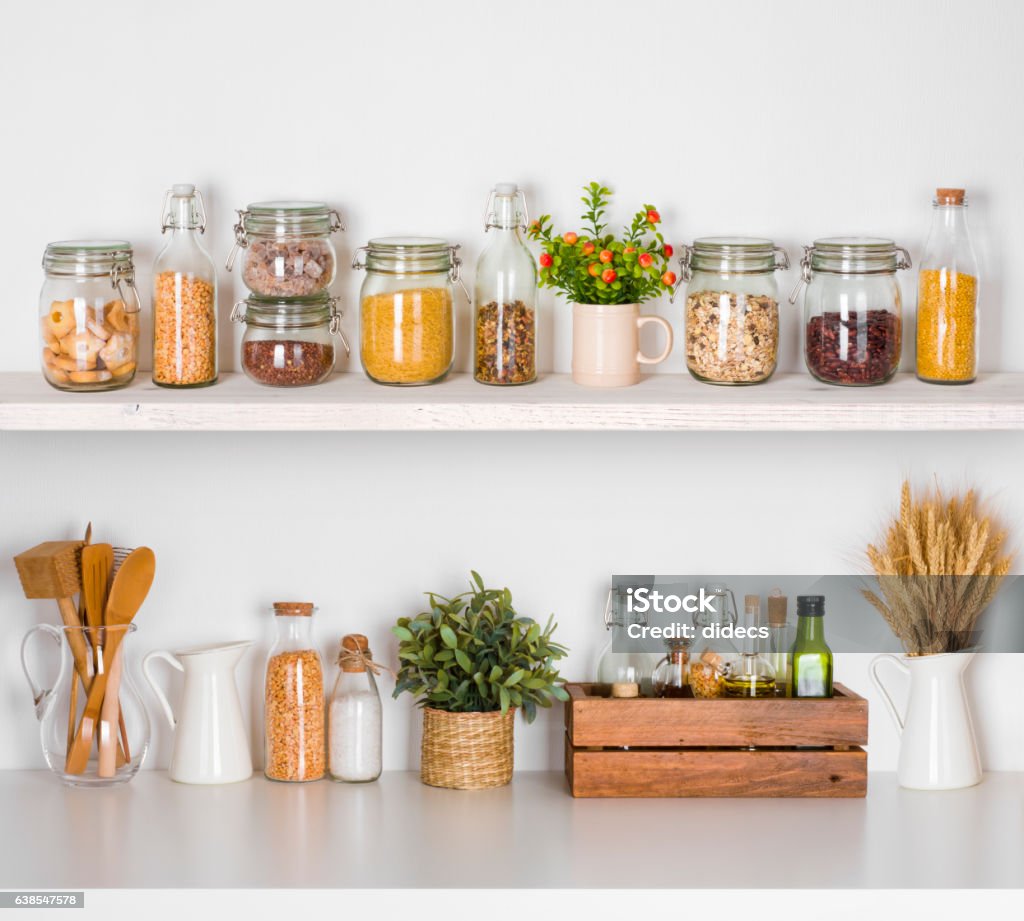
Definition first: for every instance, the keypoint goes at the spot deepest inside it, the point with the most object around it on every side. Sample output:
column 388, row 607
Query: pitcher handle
column 160, row 696
column 643, row 321
column 41, row 697
column 873, row 672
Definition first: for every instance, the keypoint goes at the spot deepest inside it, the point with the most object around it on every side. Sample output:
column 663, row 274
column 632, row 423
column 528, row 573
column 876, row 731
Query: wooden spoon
column 127, row 593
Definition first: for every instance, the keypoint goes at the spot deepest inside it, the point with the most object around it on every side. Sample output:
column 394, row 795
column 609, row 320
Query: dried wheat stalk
column 939, row 564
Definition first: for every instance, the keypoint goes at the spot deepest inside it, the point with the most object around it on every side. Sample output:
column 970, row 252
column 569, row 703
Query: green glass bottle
column 811, row 657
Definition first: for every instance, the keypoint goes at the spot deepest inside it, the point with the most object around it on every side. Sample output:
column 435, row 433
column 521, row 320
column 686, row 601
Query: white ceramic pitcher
column 937, row 746
column 211, row 745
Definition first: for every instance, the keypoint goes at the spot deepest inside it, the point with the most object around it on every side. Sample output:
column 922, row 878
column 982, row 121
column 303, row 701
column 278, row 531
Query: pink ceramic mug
column 606, row 344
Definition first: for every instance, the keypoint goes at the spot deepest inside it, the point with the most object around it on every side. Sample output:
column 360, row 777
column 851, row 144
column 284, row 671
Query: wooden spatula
column 127, row 593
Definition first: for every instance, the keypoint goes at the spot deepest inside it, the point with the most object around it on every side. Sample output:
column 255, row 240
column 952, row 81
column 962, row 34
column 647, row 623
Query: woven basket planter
column 467, row 751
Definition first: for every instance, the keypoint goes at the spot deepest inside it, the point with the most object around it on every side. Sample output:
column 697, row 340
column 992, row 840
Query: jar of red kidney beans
column 853, row 309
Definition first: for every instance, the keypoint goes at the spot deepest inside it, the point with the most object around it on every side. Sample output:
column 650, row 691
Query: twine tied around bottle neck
column 355, row 656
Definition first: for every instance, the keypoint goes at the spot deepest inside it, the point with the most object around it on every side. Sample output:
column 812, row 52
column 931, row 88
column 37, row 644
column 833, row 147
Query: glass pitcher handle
column 160, row 696
column 41, row 697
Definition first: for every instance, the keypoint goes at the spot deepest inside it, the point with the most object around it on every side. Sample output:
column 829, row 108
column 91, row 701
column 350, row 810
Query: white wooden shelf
column 662, row 402
column 532, row 833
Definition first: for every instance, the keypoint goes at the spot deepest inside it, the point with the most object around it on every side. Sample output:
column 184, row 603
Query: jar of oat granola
column 286, row 247
column 89, row 315
column 407, row 316
column 294, row 698
column 732, row 308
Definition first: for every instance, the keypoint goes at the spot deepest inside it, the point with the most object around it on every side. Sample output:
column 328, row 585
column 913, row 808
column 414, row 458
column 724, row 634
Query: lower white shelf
column 661, row 402
column 152, row 833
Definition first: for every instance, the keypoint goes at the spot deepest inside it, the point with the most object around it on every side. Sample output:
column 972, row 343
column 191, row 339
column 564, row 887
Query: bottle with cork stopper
column 780, row 639
column 947, row 296
column 355, row 718
column 752, row 675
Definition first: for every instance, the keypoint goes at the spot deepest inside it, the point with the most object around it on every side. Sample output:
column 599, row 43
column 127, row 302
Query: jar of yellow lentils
column 406, row 309
column 947, row 296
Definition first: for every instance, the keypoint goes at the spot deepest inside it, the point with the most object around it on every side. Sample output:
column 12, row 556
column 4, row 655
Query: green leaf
column 464, row 661
column 514, row 678
column 403, row 633
column 448, row 637
column 504, row 698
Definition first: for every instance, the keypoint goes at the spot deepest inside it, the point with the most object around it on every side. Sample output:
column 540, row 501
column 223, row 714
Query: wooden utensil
column 127, row 593
column 52, row 570
column 97, row 563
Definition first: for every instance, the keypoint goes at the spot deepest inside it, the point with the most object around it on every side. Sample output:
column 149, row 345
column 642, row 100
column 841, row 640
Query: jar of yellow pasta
column 406, row 315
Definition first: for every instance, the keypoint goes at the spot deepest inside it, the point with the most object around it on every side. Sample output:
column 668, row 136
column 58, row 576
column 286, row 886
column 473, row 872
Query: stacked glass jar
column 288, row 263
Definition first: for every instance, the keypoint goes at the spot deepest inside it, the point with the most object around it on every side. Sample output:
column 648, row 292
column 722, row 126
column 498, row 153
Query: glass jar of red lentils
column 853, row 309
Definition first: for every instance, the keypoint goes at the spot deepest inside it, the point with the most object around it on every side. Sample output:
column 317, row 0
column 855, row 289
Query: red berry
column 645, row 260
column 605, row 255
column 594, row 268
column 608, row 276
column 630, row 249
column 570, row 238
column 668, row 250
column 653, row 216
column 546, row 260
column 588, row 248
column 668, row 279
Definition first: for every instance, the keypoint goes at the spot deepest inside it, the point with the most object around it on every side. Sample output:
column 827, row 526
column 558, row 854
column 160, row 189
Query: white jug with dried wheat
column 938, row 750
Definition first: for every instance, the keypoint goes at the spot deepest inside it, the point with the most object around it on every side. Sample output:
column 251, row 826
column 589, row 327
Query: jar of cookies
column 732, row 308
column 89, row 315
column 406, row 314
column 286, row 247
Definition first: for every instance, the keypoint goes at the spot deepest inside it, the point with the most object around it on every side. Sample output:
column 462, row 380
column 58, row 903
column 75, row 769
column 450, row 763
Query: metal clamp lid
column 490, row 216
column 165, row 212
column 239, row 314
column 120, row 273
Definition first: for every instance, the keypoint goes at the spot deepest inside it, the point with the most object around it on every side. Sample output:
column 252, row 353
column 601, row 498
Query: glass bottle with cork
column 505, row 301
column 626, row 670
column 355, row 723
column 752, row 674
column 947, row 296
column 670, row 677
column 715, row 655
column 184, row 296
column 780, row 639
column 294, row 697
column 811, row 656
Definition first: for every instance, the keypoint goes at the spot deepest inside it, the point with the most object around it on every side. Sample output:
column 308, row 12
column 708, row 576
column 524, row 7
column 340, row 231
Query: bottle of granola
column 294, row 698
column 505, row 302
column 184, row 296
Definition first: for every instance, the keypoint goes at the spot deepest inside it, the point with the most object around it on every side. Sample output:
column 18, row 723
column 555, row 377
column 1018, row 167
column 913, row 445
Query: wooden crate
column 726, row 747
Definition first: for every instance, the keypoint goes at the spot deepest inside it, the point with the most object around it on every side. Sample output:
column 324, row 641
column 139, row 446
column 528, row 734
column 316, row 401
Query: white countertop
column 399, row 833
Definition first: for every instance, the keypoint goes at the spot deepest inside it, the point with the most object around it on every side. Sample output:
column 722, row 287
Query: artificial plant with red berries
column 593, row 267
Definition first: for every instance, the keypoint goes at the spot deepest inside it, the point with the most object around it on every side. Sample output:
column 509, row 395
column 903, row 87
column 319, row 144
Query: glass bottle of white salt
column 354, row 718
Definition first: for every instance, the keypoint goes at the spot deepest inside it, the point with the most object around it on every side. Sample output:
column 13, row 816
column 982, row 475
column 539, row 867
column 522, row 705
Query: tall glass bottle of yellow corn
column 947, row 296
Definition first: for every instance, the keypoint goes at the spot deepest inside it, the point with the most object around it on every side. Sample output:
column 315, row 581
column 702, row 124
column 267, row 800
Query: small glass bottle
column 294, row 697
column 812, row 659
column 780, row 640
column 184, row 296
column 505, row 302
column 355, row 715
column 752, row 675
column 669, row 678
column 947, row 296
column 627, row 665
column 715, row 655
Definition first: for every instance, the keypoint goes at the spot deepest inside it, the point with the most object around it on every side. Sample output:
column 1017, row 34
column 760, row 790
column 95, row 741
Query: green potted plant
column 473, row 661
column 607, row 278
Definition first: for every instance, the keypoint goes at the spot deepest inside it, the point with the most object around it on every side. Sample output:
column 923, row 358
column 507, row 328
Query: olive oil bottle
column 811, row 674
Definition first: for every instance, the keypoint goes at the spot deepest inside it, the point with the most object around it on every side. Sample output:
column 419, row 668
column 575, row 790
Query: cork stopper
column 355, row 650
column 712, row 658
column 293, row 608
column 625, row 689
column 752, row 603
column 950, row 196
column 777, row 603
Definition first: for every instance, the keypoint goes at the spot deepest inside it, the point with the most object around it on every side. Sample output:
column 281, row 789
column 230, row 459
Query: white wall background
column 787, row 119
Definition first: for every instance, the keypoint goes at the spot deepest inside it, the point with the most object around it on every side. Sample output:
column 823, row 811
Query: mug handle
column 176, row 663
column 41, row 697
column 643, row 359
column 873, row 672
